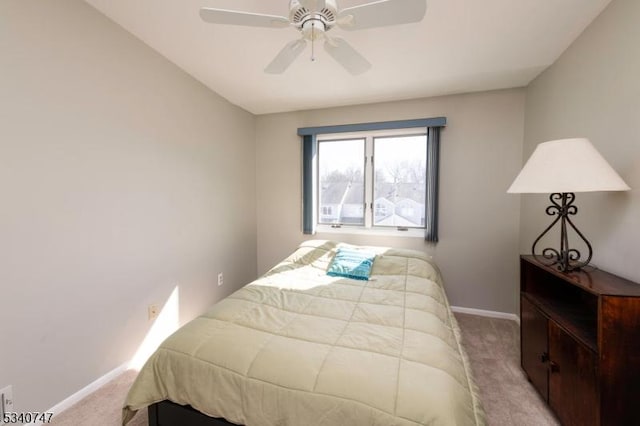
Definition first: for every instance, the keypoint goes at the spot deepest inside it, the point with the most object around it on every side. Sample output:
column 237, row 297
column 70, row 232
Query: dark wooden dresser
column 580, row 343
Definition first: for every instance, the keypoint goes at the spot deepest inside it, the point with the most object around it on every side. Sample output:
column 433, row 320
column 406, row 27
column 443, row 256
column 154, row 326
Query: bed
column 300, row 347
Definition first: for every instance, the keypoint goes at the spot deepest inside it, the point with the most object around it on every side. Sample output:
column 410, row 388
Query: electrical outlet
column 6, row 402
column 153, row 312
column 220, row 279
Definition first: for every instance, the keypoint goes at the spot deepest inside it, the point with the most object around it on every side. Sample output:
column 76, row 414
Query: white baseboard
column 90, row 388
column 483, row 313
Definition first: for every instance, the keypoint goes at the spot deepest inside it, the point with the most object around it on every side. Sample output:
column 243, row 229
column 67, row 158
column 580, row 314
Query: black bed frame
column 167, row 413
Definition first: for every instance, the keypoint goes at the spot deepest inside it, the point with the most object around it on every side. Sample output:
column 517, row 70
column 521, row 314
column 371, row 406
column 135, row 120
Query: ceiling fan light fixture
column 313, row 29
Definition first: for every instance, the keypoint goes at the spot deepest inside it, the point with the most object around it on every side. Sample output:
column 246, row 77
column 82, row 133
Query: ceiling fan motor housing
column 302, row 17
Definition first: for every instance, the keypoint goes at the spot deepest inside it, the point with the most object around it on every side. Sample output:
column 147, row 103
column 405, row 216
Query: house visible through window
column 372, row 179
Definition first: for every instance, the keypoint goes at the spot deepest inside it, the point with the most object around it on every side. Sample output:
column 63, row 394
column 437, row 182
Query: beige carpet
column 103, row 407
column 493, row 347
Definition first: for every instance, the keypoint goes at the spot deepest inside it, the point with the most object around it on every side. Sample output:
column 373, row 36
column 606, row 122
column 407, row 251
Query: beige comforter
column 299, row 348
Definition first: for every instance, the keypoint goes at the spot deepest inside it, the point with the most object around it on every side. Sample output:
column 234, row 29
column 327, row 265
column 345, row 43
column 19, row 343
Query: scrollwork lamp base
column 567, row 259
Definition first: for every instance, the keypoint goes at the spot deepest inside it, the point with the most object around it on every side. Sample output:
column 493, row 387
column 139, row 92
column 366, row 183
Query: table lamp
column 562, row 168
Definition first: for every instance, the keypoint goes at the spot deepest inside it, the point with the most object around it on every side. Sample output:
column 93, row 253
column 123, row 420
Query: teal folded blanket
column 349, row 263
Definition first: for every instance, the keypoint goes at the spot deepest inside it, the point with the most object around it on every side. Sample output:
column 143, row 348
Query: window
column 399, row 179
column 372, row 176
column 385, row 168
column 341, row 181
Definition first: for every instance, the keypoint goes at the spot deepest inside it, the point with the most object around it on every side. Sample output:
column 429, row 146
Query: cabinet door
column 572, row 380
column 534, row 347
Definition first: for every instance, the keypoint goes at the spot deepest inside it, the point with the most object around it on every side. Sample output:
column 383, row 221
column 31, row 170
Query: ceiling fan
column 315, row 18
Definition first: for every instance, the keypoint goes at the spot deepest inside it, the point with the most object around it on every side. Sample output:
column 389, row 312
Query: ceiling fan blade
column 346, row 55
column 382, row 13
column 233, row 17
column 313, row 5
column 286, row 56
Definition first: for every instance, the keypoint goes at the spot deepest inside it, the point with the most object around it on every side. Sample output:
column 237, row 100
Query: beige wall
column 120, row 178
column 479, row 222
column 593, row 91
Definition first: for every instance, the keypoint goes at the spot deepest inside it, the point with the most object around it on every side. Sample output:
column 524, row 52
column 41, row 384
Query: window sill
column 353, row 230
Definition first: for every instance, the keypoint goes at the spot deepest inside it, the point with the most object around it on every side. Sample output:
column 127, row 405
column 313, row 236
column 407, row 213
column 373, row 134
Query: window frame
column 369, row 190
column 398, row 133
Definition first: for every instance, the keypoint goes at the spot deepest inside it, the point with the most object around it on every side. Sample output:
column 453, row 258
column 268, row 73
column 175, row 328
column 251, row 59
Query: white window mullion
column 368, row 182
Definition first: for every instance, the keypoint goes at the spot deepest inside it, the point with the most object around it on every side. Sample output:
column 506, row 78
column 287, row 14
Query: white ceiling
column 460, row 46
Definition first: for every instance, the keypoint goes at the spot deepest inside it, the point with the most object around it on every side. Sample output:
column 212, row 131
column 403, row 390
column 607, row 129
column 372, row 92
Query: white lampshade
column 567, row 165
